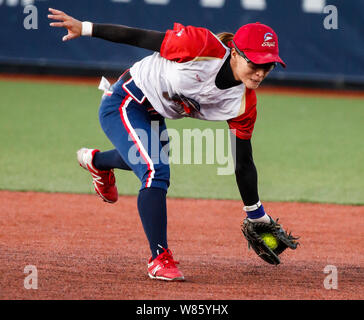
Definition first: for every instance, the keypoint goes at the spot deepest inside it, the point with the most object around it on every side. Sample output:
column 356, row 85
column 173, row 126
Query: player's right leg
column 101, row 164
column 110, row 159
column 137, row 135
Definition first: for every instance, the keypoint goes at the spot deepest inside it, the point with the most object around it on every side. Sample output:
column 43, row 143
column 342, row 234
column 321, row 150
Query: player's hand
column 73, row 26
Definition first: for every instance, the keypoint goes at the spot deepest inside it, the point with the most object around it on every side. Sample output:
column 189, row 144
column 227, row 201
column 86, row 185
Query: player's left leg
column 137, row 138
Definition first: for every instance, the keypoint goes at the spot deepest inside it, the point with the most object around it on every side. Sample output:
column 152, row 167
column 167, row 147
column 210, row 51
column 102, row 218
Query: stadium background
column 307, row 142
column 311, row 51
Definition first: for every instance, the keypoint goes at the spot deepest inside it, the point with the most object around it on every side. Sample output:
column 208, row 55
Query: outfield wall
column 320, row 40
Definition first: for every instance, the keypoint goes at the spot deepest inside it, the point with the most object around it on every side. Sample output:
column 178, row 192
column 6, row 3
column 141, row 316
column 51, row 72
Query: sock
column 109, row 160
column 264, row 219
column 257, row 214
column 152, row 206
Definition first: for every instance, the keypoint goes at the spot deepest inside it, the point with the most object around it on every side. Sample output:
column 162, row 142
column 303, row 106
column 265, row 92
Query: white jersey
column 180, row 80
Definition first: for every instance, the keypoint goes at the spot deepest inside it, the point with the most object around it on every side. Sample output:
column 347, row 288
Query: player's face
column 249, row 73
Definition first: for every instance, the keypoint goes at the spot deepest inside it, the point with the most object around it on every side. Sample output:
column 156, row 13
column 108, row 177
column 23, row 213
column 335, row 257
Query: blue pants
column 138, row 134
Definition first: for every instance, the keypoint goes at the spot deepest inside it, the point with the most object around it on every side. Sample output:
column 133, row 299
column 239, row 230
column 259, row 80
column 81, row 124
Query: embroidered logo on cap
column 268, row 36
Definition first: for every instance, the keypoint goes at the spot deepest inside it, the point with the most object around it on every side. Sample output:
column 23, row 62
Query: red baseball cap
column 258, row 42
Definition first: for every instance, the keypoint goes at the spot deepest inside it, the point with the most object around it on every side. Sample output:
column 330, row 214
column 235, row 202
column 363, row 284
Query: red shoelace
column 167, row 259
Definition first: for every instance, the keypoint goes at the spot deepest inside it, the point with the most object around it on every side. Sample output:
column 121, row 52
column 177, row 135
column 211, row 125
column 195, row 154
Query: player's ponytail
column 225, row 37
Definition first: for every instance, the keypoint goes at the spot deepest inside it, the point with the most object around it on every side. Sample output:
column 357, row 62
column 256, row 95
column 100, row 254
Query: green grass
column 305, row 148
column 311, row 149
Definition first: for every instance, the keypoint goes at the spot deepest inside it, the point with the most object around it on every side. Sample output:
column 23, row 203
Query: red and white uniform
column 180, row 81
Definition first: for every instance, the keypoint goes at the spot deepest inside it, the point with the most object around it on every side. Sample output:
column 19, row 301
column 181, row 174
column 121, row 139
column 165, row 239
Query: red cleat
column 103, row 181
column 163, row 267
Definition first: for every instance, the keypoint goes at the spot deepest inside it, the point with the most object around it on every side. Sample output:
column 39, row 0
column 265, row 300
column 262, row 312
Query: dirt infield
column 86, row 249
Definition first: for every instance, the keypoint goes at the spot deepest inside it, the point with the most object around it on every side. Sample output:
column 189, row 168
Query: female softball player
column 192, row 73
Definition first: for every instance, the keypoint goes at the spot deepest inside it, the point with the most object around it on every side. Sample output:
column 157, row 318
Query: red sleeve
column 184, row 44
column 244, row 124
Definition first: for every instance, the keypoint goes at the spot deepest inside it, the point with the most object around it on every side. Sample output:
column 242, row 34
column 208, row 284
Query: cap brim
column 263, row 57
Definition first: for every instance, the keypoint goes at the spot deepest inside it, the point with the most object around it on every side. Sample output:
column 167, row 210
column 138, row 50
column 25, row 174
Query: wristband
column 253, row 207
column 86, row 29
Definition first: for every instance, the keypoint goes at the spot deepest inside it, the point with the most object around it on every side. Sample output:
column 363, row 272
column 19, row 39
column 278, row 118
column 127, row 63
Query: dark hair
column 225, row 37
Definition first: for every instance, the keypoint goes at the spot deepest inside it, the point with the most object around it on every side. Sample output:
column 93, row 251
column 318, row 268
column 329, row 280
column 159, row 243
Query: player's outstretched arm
column 246, row 172
column 142, row 38
column 73, row 26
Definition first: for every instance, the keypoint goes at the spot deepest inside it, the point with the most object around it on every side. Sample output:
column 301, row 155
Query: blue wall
column 310, row 50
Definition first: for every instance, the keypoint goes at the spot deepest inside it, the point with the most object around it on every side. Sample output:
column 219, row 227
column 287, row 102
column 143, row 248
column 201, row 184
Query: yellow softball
column 269, row 240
